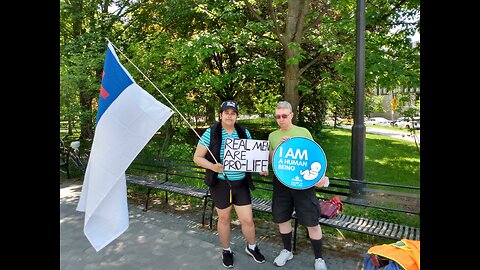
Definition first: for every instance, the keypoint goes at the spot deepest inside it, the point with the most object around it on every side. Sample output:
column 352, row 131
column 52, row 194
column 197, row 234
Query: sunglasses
column 281, row 116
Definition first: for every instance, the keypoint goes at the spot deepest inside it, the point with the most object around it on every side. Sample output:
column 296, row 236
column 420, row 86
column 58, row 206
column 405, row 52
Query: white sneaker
column 320, row 264
column 283, row 257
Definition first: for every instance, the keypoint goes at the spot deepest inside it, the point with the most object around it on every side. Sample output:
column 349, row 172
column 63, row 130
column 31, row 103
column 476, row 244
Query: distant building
column 384, row 91
column 387, row 99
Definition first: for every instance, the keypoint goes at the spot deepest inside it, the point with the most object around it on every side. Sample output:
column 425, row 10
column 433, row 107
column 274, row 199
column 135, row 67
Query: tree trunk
column 297, row 10
column 210, row 113
column 70, row 125
column 167, row 140
column 291, row 40
column 291, row 83
column 86, row 125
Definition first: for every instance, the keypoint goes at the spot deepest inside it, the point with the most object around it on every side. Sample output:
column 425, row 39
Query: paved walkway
column 162, row 240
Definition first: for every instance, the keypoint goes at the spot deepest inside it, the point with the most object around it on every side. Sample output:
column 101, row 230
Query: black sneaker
column 227, row 258
column 255, row 253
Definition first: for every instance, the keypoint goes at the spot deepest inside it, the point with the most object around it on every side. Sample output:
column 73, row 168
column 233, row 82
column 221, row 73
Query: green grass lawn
column 387, row 159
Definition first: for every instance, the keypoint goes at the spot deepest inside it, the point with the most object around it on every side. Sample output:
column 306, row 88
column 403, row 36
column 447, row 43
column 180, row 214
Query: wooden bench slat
column 373, row 227
column 386, row 228
column 380, row 225
column 352, row 222
column 394, row 230
column 401, row 229
column 369, row 225
column 363, row 225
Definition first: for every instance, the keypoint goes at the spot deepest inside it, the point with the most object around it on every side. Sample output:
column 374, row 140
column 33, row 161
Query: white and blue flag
column 127, row 118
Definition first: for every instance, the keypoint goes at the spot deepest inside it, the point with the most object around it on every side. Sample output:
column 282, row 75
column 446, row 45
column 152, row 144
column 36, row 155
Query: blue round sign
column 299, row 163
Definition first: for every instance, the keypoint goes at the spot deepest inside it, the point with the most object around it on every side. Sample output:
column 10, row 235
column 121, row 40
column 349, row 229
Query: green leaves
column 199, row 52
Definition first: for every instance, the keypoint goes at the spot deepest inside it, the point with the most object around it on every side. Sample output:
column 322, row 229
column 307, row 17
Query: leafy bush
column 180, row 151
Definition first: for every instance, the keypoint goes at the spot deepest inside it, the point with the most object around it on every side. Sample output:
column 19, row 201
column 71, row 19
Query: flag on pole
column 127, row 119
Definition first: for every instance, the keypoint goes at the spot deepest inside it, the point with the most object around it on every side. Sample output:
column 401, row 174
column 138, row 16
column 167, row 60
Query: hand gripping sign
column 299, row 163
column 245, row 155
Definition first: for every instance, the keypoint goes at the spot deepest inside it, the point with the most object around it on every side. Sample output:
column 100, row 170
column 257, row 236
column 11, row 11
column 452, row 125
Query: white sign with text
column 245, row 155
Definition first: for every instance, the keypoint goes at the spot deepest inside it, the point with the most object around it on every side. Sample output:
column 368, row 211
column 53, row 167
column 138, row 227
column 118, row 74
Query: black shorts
column 221, row 193
column 285, row 200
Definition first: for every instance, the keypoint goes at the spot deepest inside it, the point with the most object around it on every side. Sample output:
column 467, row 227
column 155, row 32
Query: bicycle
column 72, row 159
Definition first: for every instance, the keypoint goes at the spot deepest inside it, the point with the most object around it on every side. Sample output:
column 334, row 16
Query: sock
column 287, row 241
column 317, row 248
column 228, row 249
column 252, row 247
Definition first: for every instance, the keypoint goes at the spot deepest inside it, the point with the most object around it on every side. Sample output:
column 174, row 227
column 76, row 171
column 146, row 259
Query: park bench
column 383, row 196
column 175, row 176
column 174, row 172
column 64, row 158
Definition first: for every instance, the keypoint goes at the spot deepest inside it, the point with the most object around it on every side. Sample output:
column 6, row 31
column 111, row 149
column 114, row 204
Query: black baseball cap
column 229, row 104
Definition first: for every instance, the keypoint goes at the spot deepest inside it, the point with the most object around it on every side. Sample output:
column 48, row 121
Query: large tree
column 290, row 21
column 84, row 27
column 318, row 43
column 200, row 52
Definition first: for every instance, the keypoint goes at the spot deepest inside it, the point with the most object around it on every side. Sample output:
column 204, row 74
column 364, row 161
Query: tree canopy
column 201, row 52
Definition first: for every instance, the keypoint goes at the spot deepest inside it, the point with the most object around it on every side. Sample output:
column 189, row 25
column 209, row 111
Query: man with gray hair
column 285, row 199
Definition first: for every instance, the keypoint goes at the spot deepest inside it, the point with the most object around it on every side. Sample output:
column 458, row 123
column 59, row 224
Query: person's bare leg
column 245, row 216
column 285, row 227
column 315, row 232
column 223, row 226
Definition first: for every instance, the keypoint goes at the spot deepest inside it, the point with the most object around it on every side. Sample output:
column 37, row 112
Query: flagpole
column 165, row 98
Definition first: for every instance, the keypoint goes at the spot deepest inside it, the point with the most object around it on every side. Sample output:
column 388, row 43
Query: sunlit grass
column 387, row 159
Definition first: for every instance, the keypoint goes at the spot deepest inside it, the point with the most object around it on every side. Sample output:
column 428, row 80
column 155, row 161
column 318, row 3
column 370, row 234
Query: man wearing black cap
column 228, row 188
